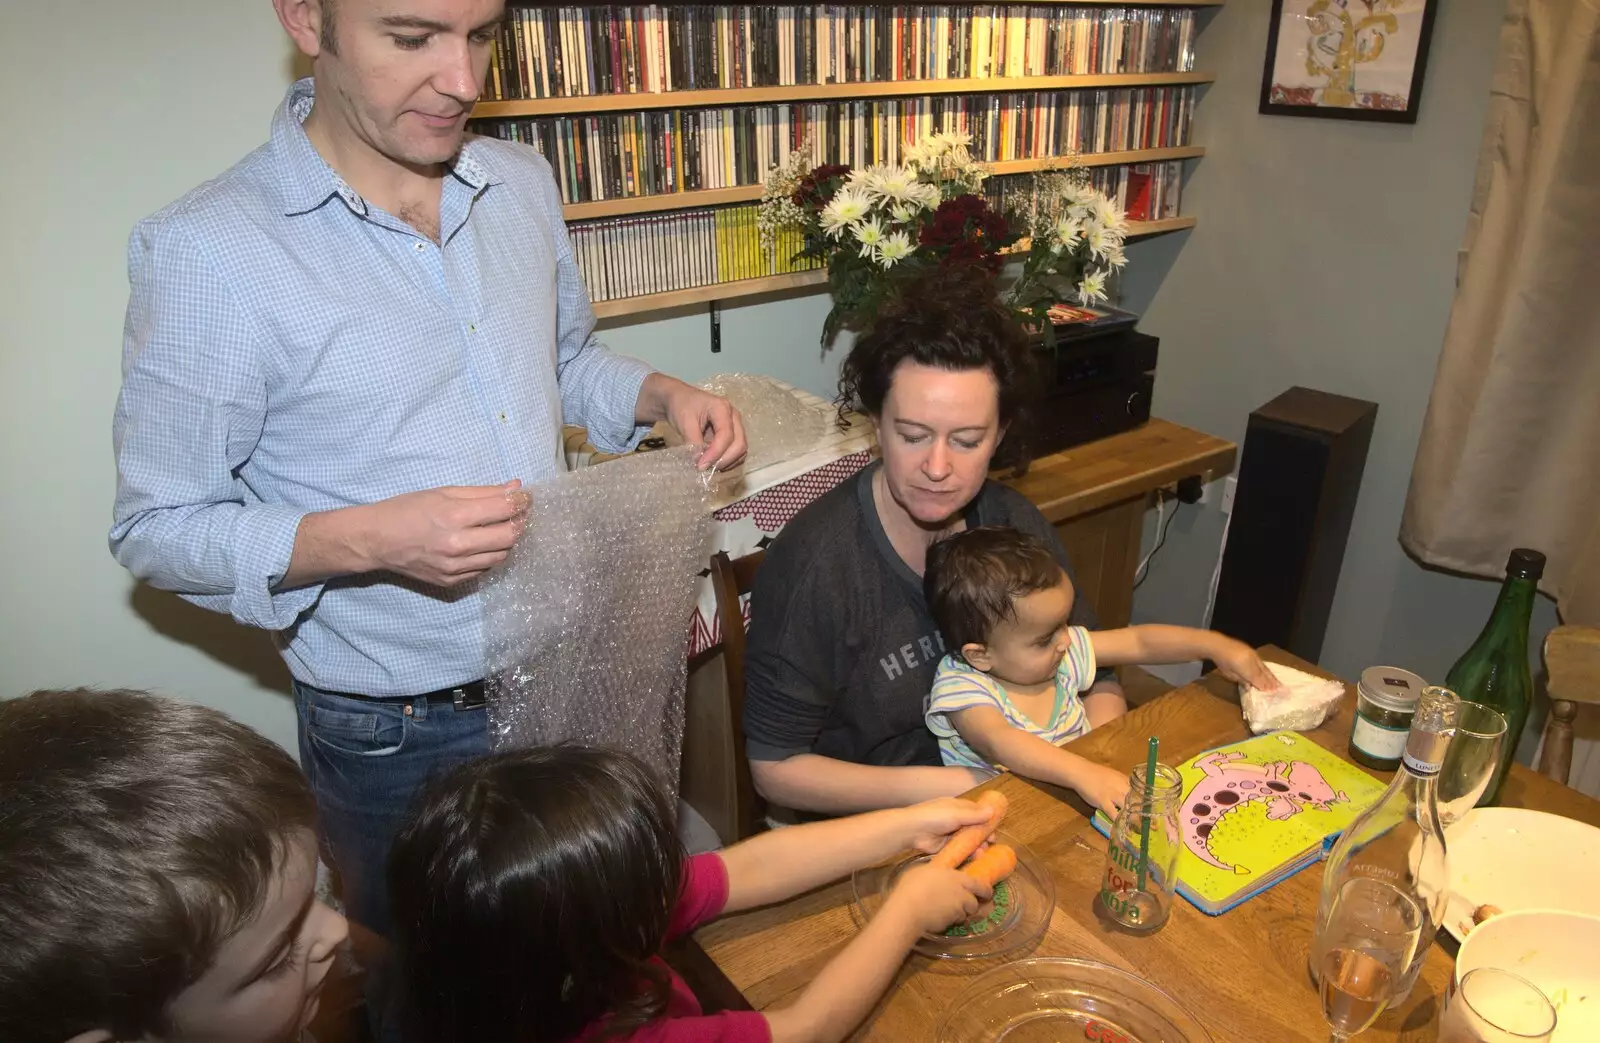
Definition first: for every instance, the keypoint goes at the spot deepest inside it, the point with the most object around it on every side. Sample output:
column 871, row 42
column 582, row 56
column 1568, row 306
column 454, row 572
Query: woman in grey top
column 842, row 648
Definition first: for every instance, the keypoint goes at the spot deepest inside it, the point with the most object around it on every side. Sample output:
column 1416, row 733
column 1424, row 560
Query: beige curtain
column 1510, row 450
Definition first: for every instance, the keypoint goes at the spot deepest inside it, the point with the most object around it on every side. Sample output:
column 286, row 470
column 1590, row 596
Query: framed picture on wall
column 1347, row 59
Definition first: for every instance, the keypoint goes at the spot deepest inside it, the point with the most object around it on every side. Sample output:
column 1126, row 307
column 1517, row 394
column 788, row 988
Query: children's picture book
column 1258, row 811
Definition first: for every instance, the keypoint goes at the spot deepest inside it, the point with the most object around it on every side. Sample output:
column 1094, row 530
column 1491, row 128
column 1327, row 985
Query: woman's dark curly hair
column 950, row 318
column 531, row 891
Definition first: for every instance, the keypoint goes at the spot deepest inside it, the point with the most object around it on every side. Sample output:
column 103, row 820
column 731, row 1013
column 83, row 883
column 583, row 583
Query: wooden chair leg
column 1555, row 760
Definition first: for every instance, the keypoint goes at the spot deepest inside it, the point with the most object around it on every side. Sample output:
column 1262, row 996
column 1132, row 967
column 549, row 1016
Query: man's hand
column 699, row 416
column 446, row 536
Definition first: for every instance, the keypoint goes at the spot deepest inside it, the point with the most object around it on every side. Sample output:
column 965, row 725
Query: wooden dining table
column 1242, row 974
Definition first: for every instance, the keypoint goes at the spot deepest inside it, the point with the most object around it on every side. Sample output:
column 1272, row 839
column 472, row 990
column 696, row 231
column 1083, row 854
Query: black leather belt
column 468, row 696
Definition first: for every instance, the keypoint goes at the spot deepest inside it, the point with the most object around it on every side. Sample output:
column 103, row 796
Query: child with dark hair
column 1007, row 690
column 532, row 891
column 157, row 875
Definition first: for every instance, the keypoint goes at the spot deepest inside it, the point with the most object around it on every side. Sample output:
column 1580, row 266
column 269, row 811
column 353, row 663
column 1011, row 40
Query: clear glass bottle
column 1399, row 839
column 1141, row 874
column 1494, row 671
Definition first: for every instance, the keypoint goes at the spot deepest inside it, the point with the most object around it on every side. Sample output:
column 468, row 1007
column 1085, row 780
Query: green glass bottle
column 1494, row 671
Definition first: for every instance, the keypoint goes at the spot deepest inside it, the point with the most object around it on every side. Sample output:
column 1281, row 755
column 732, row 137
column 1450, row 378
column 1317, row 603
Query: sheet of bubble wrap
column 777, row 424
column 587, row 622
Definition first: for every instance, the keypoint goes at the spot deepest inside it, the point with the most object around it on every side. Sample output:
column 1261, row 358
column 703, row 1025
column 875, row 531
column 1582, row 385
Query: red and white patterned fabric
column 749, row 524
column 772, row 510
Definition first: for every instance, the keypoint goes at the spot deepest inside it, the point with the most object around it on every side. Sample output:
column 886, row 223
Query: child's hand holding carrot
column 964, row 867
column 930, row 898
column 992, row 865
column 932, row 824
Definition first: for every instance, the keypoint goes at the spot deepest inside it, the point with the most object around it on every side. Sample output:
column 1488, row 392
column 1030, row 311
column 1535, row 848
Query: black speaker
column 1298, row 478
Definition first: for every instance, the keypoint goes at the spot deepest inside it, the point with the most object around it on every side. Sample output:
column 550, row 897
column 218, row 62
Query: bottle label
column 1420, row 767
column 1424, row 752
column 1378, row 742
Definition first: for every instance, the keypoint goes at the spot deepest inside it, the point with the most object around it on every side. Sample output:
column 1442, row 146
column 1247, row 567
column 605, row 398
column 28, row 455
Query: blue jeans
column 366, row 760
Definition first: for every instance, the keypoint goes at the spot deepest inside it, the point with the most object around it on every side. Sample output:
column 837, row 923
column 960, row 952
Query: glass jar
column 1142, row 851
column 1386, row 700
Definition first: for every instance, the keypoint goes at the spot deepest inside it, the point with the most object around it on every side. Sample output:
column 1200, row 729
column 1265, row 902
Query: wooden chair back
column 1572, row 658
column 731, row 579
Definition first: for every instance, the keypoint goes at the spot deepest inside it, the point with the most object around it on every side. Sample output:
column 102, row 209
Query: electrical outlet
column 1229, row 484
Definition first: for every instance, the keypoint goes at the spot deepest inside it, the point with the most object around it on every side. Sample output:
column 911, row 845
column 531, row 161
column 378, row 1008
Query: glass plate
column 1051, row 1000
column 1026, row 900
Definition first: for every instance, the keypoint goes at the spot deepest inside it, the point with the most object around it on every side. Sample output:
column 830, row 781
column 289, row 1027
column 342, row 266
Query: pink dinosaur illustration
column 1285, row 786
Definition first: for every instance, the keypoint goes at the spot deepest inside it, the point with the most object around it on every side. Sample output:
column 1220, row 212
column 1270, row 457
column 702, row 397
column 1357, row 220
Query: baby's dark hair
column 973, row 578
column 951, row 319
column 530, row 890
column 137, row 834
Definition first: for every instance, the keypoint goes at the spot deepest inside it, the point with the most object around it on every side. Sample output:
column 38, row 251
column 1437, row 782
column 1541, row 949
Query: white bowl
column 1557, row 951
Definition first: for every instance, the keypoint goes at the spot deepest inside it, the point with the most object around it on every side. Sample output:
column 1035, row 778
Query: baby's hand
column 1238, row 662
column 1103, row 787
column 932, row 898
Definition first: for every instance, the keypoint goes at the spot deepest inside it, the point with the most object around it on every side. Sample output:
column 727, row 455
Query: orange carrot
column 996, row 863
column 964, row 841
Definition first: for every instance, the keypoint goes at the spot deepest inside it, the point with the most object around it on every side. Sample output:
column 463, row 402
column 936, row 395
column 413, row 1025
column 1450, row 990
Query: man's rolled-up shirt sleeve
column 190, row 413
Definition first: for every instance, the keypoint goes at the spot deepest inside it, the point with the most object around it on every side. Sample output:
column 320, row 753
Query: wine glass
column 1470, row 760
column 1489, row 1005
column 1362, row 952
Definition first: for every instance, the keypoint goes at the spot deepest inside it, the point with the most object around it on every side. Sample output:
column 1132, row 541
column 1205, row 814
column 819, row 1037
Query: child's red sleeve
column 732, row 1026
column 702, row 896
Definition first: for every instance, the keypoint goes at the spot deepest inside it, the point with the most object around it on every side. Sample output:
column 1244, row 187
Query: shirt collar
column 307, row 180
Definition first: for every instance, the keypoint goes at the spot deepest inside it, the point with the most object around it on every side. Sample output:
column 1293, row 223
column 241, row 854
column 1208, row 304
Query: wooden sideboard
column 1096, row 495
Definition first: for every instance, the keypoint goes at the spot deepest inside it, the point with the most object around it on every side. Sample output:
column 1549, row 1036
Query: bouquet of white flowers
column 877, row 227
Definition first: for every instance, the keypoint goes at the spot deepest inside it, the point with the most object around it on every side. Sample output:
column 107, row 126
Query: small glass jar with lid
column 1386, row 700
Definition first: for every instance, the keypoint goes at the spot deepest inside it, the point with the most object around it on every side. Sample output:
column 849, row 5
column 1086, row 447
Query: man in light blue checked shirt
column 342, row 360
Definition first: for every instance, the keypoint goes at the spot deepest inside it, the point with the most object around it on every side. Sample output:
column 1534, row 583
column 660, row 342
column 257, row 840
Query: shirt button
column 420, row 247
column 502, row 418
column 472, row 329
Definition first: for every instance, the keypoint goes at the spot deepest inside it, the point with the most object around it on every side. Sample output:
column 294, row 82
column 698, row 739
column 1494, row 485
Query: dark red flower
column 817, row 187
column 963, row 253
column 970, row 230
column 949, row 223
column 972, row 253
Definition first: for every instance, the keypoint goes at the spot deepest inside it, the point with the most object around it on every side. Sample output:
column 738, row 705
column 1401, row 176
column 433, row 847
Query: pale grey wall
column 1325, row 256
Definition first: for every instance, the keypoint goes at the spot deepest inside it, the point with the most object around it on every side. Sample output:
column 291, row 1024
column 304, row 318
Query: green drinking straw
column 1149, row 795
